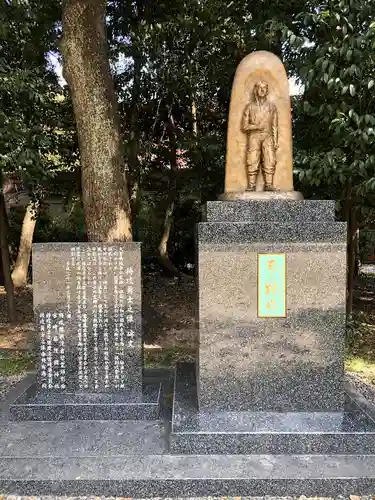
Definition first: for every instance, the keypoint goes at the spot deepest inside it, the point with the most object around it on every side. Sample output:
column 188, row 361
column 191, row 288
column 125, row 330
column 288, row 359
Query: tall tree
column 87, row 71
column 4, row 254
column 21, row 267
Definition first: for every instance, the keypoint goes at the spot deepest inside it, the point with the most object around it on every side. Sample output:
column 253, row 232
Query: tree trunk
column 194, row 118
column 5, row 258
column 357, row 262
column 86, row 68
column 172, row 194
column 20, row 270
column 134, row 167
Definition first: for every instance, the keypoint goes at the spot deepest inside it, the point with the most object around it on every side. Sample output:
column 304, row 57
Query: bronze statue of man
column 260, row 124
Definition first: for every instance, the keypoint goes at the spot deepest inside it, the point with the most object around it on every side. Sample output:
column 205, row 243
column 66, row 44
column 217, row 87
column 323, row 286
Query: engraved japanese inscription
column 88, row 313
column 271, row 286
column 260, row 123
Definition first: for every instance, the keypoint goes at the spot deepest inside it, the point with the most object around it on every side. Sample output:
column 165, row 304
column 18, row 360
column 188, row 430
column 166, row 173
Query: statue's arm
column 275, row 127
column 246, row 119
column 247, row 126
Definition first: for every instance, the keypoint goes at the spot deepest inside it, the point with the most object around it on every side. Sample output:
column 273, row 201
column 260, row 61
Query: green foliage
column 170, row 58
column 67, row 226
column 19, row 364
column 36, row 140
column 332, row 53
column 366, row 244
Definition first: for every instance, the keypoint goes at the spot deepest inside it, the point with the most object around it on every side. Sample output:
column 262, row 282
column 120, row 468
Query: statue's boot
column 268, row 183
column 252, row 181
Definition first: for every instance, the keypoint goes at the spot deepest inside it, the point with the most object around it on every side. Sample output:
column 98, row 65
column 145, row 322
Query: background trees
column 34, row 136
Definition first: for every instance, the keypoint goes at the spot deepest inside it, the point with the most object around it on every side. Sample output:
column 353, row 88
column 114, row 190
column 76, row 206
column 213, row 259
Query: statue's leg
column 253, row 161
column 269, row 162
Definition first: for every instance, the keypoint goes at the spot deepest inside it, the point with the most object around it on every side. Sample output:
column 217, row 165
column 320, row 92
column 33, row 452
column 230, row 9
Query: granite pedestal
column 264, row 382
column 87, row 305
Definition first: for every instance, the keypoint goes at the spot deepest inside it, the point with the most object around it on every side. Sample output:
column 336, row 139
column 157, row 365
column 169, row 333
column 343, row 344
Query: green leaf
column 352, row 89
column 344, row 89
column 370, row 84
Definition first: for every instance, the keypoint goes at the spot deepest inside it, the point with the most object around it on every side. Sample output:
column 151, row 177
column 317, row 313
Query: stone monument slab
column 87, row 304
column 134, row 459
column 201, row 431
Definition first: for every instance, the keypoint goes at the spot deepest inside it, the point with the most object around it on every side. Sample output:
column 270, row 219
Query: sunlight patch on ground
column 362, row 367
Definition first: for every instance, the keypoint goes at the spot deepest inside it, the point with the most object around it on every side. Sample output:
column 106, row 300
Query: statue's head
column 260, row 89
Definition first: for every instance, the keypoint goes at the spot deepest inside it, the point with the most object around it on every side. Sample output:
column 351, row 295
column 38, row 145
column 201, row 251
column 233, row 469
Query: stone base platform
column 261, row 195
column 135, row 476
column 54, row 407
column 133, row 459
column 197, row 432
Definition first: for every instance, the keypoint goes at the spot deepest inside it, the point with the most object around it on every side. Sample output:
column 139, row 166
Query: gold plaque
column 271, row 285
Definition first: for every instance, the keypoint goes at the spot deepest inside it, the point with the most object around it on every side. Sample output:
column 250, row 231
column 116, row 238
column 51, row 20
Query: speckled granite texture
column 271, row 211
column 132, row 459
column 265, row 364
column 83, row 287
column 300, row 497
column 199, row 432
column 32, row 405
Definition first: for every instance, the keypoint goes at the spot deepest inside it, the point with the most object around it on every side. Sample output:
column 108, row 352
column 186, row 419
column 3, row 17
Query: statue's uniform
column 261, row 144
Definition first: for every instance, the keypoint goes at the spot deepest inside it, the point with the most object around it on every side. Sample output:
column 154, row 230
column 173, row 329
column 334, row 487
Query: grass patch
column 167, row 357
column 361, row 366
column 17, row 364
column 360, row 346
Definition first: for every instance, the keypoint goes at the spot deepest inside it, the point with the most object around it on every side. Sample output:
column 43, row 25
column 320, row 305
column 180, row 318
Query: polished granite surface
column 283, row 364
column 134, row 459
column 87, row 308
column 194, row 431
column 32, row 405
